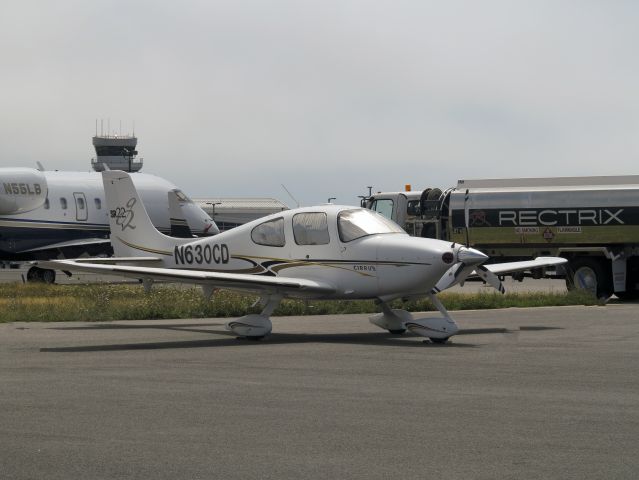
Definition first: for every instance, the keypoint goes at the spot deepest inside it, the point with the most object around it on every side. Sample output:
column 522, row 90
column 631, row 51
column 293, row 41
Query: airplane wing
column 539, row 262
column 231, row 281
column 457, row 274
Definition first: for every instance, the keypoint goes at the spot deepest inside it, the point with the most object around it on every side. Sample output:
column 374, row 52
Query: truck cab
column 420, row 214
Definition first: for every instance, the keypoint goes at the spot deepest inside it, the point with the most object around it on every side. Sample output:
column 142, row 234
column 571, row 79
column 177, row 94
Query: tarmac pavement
column 521, row 393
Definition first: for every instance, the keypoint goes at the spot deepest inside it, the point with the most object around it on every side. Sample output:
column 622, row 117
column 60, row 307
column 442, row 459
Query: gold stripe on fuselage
column 146, row 249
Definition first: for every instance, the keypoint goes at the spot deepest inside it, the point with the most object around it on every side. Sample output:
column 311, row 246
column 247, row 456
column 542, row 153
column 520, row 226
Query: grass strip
column 104, row 302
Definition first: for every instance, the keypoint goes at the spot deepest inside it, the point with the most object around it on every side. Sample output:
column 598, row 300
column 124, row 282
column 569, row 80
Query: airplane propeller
column 468, row 259
column 466, row 217
column 490, row 278
column 485, row 274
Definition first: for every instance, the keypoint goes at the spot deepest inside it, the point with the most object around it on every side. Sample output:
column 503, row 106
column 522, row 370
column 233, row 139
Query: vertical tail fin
column 132, row 233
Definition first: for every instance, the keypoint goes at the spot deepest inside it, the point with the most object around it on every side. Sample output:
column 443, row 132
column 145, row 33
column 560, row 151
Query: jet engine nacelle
column 21, row 190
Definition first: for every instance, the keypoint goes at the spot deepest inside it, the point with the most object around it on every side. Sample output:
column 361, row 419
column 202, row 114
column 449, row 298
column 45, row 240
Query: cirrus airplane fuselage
column 321, row 252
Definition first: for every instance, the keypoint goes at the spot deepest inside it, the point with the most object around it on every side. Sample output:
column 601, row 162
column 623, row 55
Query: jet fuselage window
column 63, row 203
column 270, row 234
column 357, row 223
column 98, row 204
column 47, row 204
column 383, row 206
column 80, row 203
column 311, row 228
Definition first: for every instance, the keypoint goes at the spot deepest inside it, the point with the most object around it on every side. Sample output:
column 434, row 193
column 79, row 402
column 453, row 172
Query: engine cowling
column 21, row 190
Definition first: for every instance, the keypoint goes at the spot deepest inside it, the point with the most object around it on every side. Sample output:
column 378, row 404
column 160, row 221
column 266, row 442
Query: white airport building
column 231, row 212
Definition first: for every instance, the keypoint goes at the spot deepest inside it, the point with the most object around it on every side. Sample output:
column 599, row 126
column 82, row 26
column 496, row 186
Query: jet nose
column 470, row 256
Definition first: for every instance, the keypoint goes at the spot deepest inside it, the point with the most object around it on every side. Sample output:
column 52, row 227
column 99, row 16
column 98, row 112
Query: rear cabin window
column 98, row 204
column 310, row 228
column 46, row 204
column 270, row 234
column 80, row 203
column 63, row 203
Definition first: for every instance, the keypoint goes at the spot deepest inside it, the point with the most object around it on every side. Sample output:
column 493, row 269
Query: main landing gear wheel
column 253, row 339
column 44, row 275
column 439, row 341
column 398, row 331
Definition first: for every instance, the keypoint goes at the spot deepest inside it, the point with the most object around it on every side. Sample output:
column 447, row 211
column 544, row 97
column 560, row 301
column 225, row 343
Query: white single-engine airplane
column 323, row 252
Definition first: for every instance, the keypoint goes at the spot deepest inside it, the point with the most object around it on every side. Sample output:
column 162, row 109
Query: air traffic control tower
column 117, row 152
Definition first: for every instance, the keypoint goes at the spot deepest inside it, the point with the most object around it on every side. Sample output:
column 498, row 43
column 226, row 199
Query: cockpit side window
column 311, row 228
column 270, row 234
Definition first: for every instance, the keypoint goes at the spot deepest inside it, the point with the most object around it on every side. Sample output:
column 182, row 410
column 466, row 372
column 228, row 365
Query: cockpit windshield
column 182, row 196
column 357, row 223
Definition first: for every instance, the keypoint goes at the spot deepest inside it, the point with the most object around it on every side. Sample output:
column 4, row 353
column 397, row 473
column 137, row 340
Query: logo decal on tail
column 124, row 216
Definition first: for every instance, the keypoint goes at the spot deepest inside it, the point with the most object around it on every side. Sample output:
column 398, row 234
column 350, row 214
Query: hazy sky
column 235, row 97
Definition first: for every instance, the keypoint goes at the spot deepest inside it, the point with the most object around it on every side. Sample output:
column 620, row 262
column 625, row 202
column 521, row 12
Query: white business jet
column 323, row 252
column 60, row 214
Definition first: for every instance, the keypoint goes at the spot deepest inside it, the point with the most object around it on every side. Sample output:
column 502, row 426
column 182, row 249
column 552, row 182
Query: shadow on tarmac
column 230, row 340
column 182, row 327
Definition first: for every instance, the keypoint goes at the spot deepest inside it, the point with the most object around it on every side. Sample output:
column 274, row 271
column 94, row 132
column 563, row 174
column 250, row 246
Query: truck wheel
column 590, row 274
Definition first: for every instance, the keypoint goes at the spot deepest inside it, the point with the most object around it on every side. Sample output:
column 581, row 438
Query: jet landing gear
column 42, row 275
column 256, row 326
column 438, row 329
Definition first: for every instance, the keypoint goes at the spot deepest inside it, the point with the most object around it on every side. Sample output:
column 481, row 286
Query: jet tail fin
column 132, row 232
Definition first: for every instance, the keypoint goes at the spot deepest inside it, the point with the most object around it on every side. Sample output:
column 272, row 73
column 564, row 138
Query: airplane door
column 81, row 207
column 310, row 237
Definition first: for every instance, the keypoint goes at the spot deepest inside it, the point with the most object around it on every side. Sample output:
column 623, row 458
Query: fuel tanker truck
column 591, row 221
